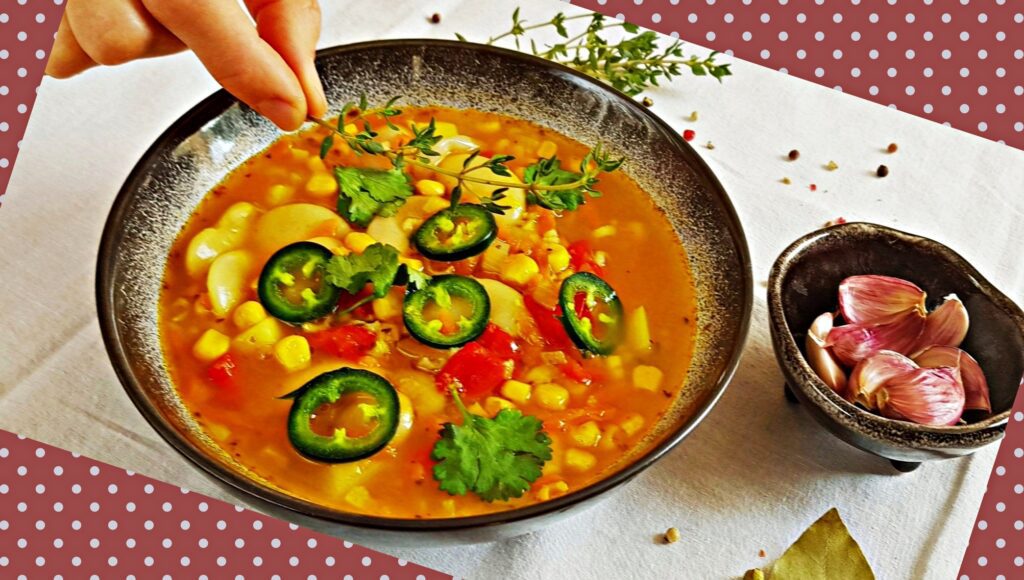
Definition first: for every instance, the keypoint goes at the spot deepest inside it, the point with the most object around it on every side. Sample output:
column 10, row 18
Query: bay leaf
column 825, row 550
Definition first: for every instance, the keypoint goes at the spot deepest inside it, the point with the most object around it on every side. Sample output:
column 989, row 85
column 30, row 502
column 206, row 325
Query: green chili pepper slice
column 591, row 313
column 448, row 312
column 293, row 285
column 456, row 233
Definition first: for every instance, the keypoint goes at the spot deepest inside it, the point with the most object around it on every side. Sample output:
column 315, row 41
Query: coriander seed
column 892, row 148
column 882, row 171
column 794, row 155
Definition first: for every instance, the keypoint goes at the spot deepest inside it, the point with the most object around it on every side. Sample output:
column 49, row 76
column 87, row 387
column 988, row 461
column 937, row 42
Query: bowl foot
column 788, row 391
column 904, row 466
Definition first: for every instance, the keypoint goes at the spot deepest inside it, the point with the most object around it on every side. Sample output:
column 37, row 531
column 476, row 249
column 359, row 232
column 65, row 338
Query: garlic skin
column 947, row 325
column 852, row 343
column 874, row 372
column 973, row 378
column 819, row 357
column 878, row 299
column 927, row 396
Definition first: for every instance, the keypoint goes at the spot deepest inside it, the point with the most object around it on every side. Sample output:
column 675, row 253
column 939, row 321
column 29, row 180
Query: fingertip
column 287, row 115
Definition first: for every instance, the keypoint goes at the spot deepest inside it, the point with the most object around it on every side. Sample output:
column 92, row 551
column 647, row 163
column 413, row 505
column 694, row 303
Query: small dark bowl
column 217, row 135
column 804, row 283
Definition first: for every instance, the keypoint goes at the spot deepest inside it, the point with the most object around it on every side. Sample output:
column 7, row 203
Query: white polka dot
column 965, row 108
column 257, row 561
column 203, row 507
column 22, row 36
column 765, row 17
column 22, row 470
column 928, row 36
column 692, row 18
column 367, row 561
column 167, row 543
column 947, row 90
column 58, row 470
column 239, row 543
column 928, row 72
column 221, row 524
column 76, row 525
column 965, row 72
column 891, row 71
column 855, row 36
column 947, row 54
column 910, row 90
column 710, row 35
column 837, row 54
column 1000, row 543
column 58, row 507
column 873, row 54
column 167, row 506
column 982, row 126
column 783, row 36
column 819, row 36
column 1018, row 453
column 765, row 54
column 801, row 18
column 747, row 36
column 94, row 470
column 293, row 561
column 801, row 54
column 203, row 542
column 982, row 525
column 655, row 18
column 112, row 525
column 275, row 543
column 148, row 524
column 221, row 560
column 185, row 524
column 148, row 488
column 1018, row 127
column 946, row 17
column 185, row 561
column 819, row 72
column 1000, row 108
column 854, row 72
column 94, row 507
column 965, row 36
column 983, row 561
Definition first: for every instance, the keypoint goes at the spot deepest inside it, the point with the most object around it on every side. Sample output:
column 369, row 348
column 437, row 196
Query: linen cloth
column 751, row 477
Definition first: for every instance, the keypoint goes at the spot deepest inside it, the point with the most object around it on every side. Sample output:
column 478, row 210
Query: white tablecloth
column 751, row 477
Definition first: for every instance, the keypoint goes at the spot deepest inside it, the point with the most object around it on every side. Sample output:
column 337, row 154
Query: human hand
column 269, row 66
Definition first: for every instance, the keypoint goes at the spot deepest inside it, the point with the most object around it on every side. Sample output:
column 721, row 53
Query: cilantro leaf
column 416, row 279
column 377, row 265
column 497, row 459
column 549, row 172
column 365, row 193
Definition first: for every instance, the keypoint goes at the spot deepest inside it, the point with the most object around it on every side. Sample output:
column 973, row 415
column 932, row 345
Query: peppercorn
column 794, row 155
column 435, row 18
column 647, row 102
column 689, row 134
column 882, row 171
column 892, row 148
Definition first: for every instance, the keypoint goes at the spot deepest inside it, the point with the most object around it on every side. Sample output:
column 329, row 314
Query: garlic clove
column 872, row 373
column 973, row 378
column 819, row 357
column 927, row 396
column 878, row 299
column 946, row 325
column 852, row 343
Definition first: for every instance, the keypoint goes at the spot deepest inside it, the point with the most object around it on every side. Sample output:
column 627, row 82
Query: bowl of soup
column 451, row 317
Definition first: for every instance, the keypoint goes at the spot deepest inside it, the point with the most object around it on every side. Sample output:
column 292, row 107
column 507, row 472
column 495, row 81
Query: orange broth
column 631, row 241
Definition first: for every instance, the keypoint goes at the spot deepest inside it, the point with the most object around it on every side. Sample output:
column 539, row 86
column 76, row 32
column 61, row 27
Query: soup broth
column 233, row 363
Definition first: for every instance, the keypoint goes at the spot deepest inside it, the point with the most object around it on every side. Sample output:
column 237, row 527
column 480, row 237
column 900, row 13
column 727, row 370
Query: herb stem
column 517, row 31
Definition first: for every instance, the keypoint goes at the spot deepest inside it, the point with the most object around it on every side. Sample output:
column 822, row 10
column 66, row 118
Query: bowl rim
column 780, row 329
column 221, row 100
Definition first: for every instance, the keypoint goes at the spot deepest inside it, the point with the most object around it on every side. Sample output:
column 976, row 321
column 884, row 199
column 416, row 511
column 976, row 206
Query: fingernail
column 284, row 114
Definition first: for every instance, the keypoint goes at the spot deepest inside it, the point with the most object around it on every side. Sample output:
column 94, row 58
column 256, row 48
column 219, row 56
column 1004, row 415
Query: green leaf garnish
column 549, row 172
column 377, row 265
column 365, row 193
column 497, row 459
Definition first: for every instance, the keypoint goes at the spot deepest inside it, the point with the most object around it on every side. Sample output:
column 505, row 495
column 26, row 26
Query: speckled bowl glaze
column 804, row 283
column 202, row 147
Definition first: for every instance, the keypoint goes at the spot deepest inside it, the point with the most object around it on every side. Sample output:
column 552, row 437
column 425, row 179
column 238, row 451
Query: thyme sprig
column 419, row 151
column 631, row 65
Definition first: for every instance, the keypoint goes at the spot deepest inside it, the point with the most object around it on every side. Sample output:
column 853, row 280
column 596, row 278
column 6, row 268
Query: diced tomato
column 474, row 370
column 548, row 323
column 580, row 305
column 581, row 258
column 363, row 312
column 500, row 342
column 575, row 370
column 349, row 342
column 222, row 372
column 545, row 221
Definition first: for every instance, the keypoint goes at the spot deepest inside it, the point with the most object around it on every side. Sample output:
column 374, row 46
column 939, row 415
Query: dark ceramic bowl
column 804, row 283
column 204, row 145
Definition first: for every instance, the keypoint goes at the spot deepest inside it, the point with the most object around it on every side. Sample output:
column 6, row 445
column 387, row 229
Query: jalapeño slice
column 293, row 285
column 456, row 233
column 343, row 415
column 591, row 313
column 448, row 312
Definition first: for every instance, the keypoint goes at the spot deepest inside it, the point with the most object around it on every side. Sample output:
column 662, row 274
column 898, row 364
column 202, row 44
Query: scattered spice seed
column 832, row 166
column 814, row 187
column 794, row 155
column 892, row 148
column 710, row 145
column 787, row 180
column 755, row 574
column 882, row 171
column 647, row 102
column 671, row 536
column 762, row 553
column 689, row 134
column 435, row 18
column 693, row 116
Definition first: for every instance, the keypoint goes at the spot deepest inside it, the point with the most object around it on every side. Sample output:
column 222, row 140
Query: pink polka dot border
column 63, row 515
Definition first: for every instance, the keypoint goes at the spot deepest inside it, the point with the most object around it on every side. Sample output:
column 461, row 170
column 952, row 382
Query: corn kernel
column 292, row 352
column 411, row 262
column 434, row 205
column 615, row 368
column 586, row 435
column 430, row 187
column 248, row 314
column 218, row 432
column 551, row 396
column 610, row 439
column 448, row 506
column 476, row 409
column 632, row 424
column 638, row 332
column 647, row 377
column 494, row 404
column 359, row 241
column 317, row 165
column 558, row 257
column 516, row 391
column 261, row 337
column 547, row 149
column 550, row 490
column 211, row 346
column 489, row 127
column 358, row 496
column 322, row 184
column 519, row 269
column 445, row 129
column 299, row 154
column 280, row 194
column 387, row 307
column 605, row 231
column 542, row 374
column 578, row 460
column 350, row 129
column 332, row 244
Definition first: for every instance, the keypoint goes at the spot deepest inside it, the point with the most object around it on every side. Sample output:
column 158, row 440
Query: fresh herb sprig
column 631, row 65
column 419, row 151
column 377, row 266
column 495, row 458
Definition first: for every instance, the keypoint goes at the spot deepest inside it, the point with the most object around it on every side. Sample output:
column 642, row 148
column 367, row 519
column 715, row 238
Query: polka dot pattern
column 960, row 63
column 63, row 515
column 26, row 36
